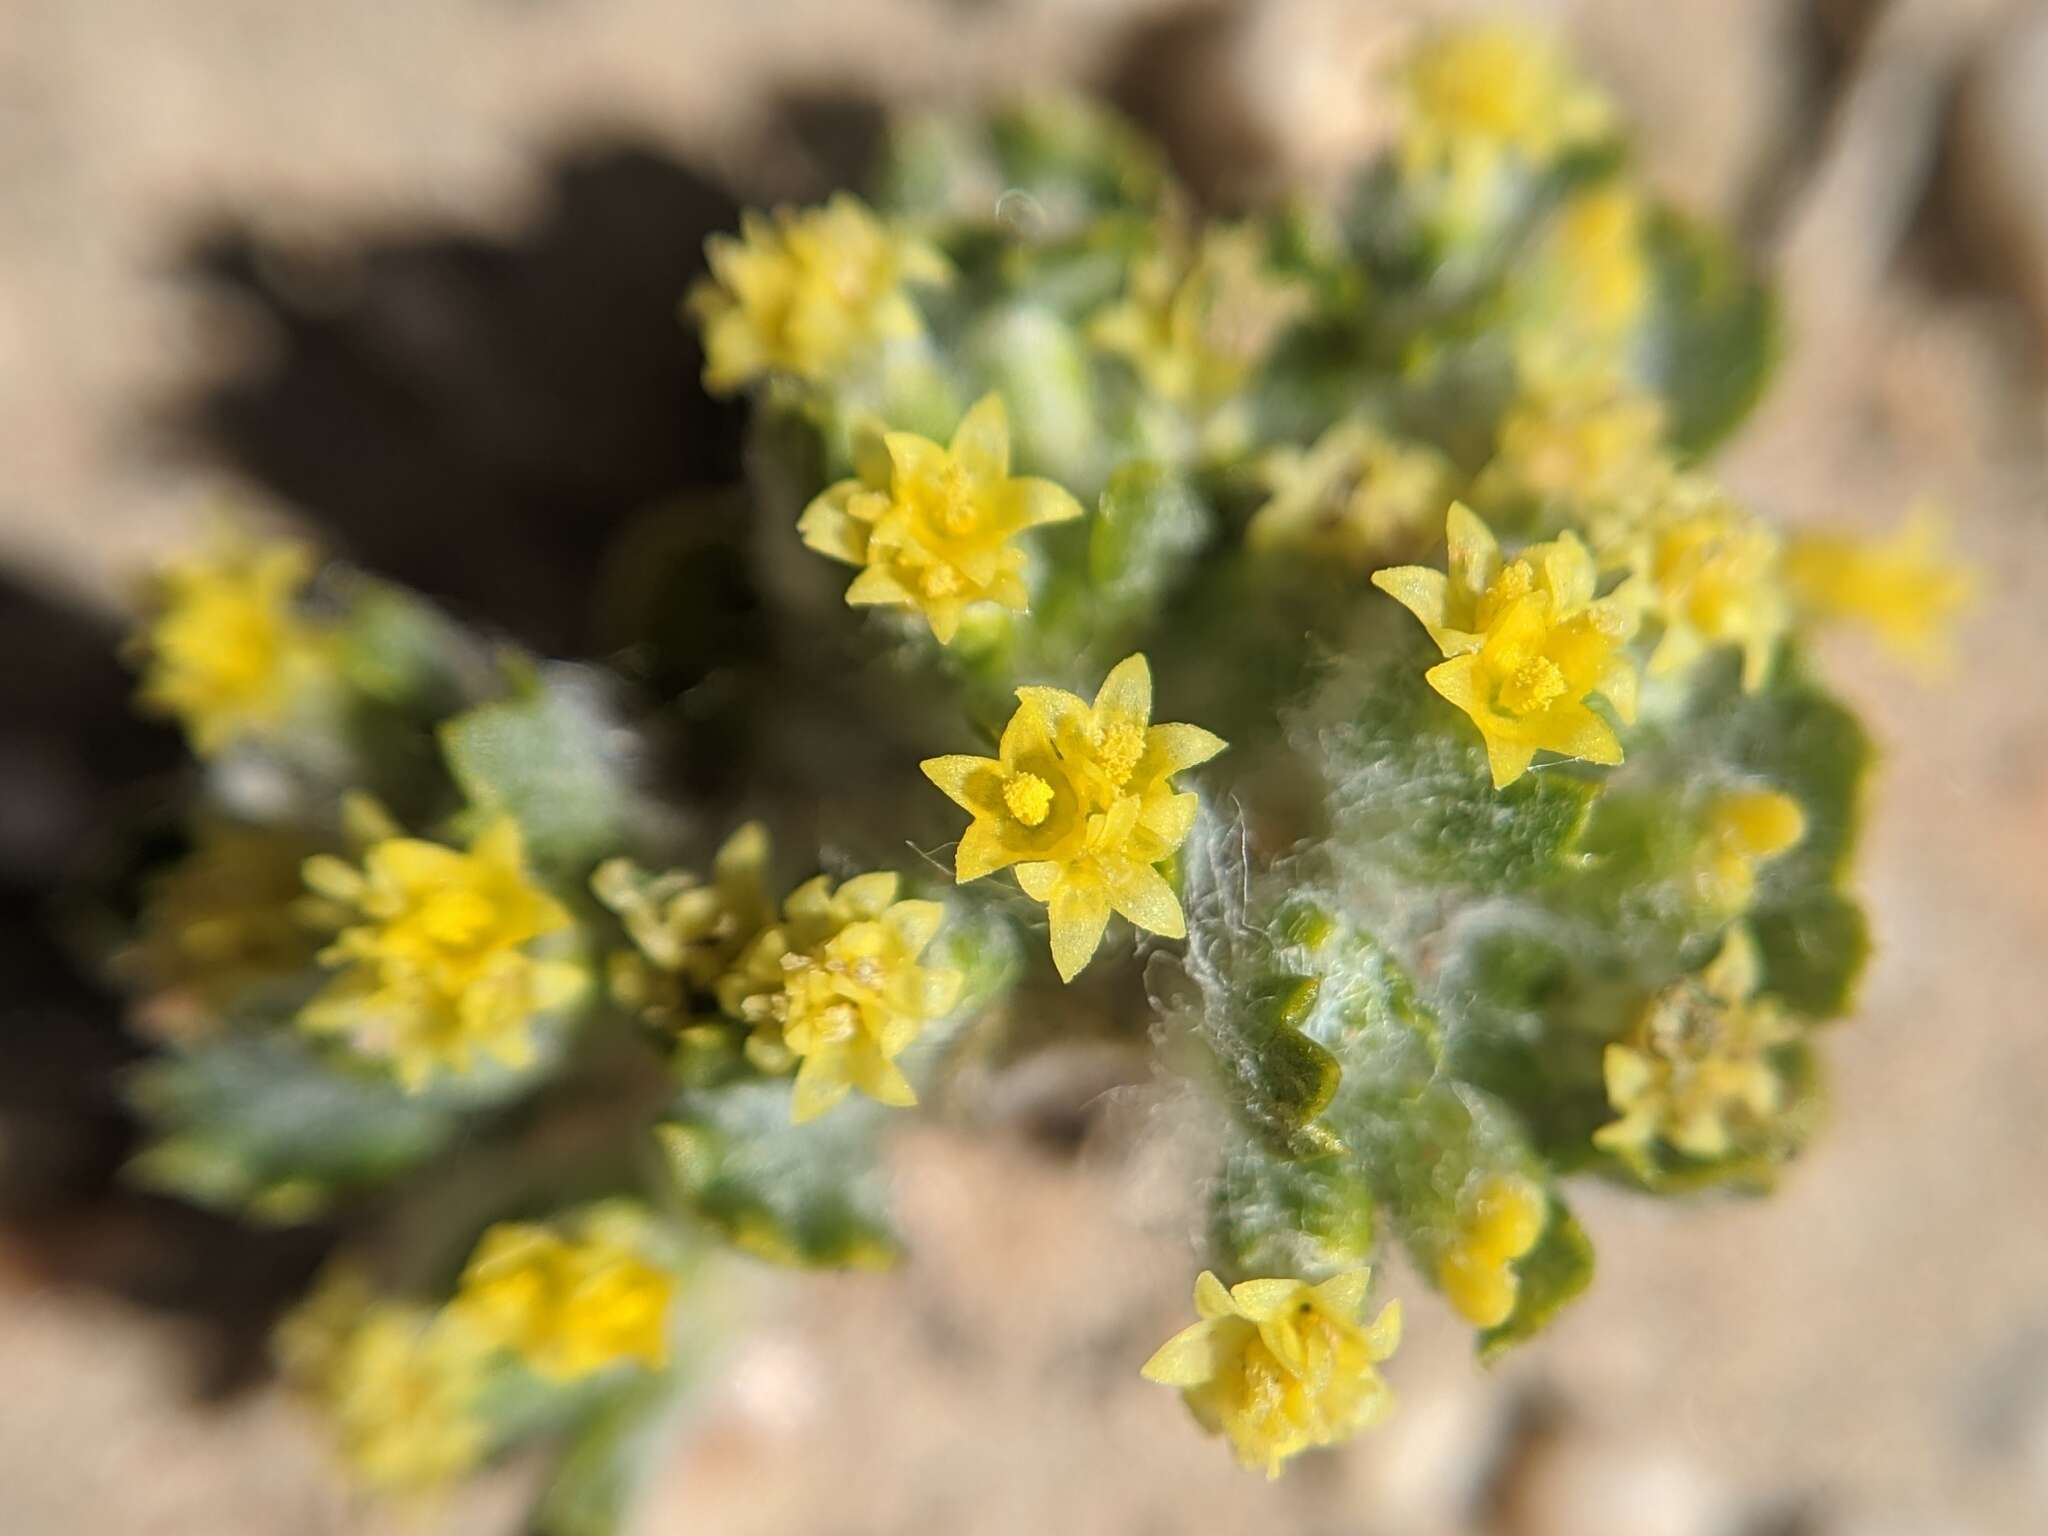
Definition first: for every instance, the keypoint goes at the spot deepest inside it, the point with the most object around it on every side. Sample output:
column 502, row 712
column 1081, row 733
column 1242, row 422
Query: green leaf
column 605, row 1464
column 1551, row 1274
column 1148, row 526
column 268, row 1126
column 810, row 1195
column 1714, row 335
column 548, row 756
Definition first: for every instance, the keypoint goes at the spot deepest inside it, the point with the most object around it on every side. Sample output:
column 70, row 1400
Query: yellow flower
column 399, row 1384
column 685, row 934
column 836, row 985
column 1696, row 1071
column 569, row 1306
column 1527, row 642
column 1500, row 1222
column 1081, row 801
column 1481, row 97
column 1281, row 1366
column 1579, row 437
column 435, row 953
column 220, row 923
column 228, row 653
column 1588, row 288
column 1907, row 588
column 1742, row 830
column 1356, row 495
column 931, row 526
column 1196, row 321
column 1709, row 570
column 807, row 292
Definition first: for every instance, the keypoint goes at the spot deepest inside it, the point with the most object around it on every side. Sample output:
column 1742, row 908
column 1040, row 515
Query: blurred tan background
column 1864, row 1355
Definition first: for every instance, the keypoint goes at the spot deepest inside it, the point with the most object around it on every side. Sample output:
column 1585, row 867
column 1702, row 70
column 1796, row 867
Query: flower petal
column 1141, row 894
column 982, row 440
column 1079, row 912
column 1126, row 694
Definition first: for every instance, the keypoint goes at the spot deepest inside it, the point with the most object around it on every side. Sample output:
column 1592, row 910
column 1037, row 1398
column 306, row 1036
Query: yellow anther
column 1029, row 798
column 1535, row 683
column 1123, row 743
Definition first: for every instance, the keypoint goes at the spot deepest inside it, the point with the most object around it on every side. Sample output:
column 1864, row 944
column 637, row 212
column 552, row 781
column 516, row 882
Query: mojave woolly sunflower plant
column 562, row 991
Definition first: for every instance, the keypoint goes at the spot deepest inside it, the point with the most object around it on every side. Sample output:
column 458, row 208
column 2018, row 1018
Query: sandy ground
column 1865, row 1354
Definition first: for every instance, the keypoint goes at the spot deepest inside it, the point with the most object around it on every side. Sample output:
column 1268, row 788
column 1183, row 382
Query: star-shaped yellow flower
column 1080, row 800
column 569, row 1305
column 434, row 953
column 932, row 526
column 804, row 293
column 1527, row 641
column 1696, row 1072
column 836, row 986
column 228, row 652
column 1281, row 1366
column 1709, row 571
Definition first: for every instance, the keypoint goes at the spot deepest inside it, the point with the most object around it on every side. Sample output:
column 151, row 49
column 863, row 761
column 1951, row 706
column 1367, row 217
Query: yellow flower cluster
column 1500, row 1221
column 685, row 934
column 1479, row 98
column 398, row 1383
column 435, row 952
column 1908, row 588
column 228, row 654
column 1577, row 438
column 218, row 923
column 1586, row 288
column 836, row 987
column 1743, row 829
column 1281, row 1366
column 1527, row 642
column 1196, row 321
column 1708, row 570
column 805, row 293
column 931, row 526
column 569, row 1306
column 1696, row 1072
column 1356, row 495
column 1080, row 799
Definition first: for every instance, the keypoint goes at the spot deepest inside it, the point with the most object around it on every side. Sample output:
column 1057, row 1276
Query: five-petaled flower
column 1497, row 1223
column 569, row 1305
column 837, row 987
column 1281, row 1366
column 228, row 653
column 805, row 293
column 931, row 526
column 1527, row 642
column 435, row 952
column 1696, row 1072
column 1080, row 800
